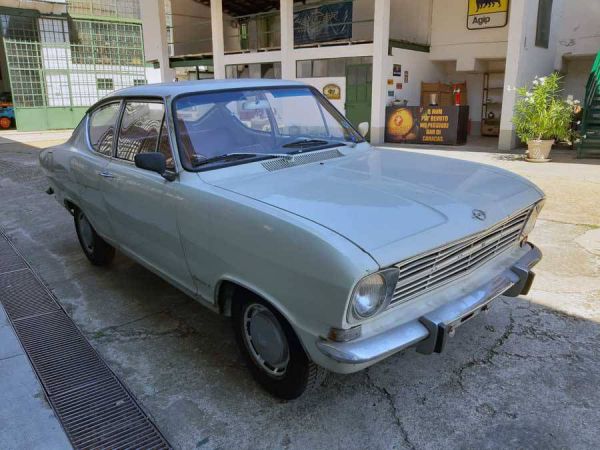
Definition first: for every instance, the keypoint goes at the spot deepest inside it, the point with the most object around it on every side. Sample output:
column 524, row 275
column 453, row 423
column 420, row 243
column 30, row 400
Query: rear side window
column 102, row 128
column 140, row 129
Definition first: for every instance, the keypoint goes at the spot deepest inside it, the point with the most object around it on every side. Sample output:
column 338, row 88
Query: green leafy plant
column 541, row 113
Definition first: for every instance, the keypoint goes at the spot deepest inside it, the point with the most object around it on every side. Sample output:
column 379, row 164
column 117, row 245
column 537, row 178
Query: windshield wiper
column 198, row 160
column 308, row 143
column 305, row 143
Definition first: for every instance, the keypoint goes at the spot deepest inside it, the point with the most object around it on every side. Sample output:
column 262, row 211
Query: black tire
column 301, row 373
column 97, row 250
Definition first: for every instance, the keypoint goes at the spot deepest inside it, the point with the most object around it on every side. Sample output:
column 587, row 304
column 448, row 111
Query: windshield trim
column 321, row 102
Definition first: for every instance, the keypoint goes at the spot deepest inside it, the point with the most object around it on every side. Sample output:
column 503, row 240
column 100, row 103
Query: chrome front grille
column 443, row 265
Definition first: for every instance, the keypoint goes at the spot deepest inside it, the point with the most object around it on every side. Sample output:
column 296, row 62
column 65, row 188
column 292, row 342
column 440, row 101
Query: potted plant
column 542, row 116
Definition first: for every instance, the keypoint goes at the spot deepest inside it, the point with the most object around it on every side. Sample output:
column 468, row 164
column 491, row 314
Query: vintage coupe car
column 261, row 201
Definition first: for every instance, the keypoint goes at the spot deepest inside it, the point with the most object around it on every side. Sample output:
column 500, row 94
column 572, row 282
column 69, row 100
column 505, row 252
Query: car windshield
column 218, row 128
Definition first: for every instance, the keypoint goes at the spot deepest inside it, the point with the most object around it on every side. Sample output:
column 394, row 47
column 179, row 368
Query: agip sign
column 487, row 14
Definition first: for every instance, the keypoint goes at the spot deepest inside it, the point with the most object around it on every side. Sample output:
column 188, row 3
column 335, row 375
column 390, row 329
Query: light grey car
column 258, row 199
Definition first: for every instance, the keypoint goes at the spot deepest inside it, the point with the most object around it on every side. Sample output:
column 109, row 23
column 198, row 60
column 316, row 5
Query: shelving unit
column 493, row 90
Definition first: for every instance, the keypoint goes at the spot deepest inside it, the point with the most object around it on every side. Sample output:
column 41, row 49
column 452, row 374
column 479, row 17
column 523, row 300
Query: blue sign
column 324, row 23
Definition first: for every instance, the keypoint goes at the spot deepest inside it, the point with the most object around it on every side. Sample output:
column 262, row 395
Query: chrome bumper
column 430, row 332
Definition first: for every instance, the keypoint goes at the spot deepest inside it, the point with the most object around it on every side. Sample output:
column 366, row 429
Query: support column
column 381, row 39
column 156, row 47
column 218, row 41
column 288, row 62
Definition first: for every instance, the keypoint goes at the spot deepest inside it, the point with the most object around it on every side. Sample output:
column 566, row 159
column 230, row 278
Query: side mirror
column 155, row 162
column 363, row 128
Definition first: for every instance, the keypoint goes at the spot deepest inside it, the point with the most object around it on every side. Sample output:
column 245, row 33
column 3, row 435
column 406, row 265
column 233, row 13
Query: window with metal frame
column 140, row 128
column 102, row 127
column 544, row 20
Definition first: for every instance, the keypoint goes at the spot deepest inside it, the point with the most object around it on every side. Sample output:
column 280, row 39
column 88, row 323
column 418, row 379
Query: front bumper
column 430, row 332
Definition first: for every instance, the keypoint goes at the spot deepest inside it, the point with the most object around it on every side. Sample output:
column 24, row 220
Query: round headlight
column 368, row 296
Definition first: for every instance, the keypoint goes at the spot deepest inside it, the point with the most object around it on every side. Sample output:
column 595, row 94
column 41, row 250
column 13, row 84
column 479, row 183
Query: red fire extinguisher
column 457, row 95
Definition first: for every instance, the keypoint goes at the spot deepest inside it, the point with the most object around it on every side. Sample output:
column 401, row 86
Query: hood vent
column 300, row 159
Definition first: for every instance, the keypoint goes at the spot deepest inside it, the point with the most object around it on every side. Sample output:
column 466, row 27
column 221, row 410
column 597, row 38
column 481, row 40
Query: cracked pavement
column 524, row 375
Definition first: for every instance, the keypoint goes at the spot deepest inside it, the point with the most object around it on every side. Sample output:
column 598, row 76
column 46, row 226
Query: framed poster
column 487, row 14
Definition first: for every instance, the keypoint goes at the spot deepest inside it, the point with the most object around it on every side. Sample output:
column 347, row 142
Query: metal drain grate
column 94, row 407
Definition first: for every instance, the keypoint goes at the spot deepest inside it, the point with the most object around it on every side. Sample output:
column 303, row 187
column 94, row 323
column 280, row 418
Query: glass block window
column 105, row 84
column 21, row 28
column 123, row 9
column 55, row 62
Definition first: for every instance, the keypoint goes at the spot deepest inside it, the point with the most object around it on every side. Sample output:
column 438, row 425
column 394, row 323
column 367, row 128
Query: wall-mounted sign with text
column 332, row 91
column 445, row 125
column 487, row 14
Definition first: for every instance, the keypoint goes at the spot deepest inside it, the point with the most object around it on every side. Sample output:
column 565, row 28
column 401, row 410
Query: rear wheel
column 97, row 250
column 274, row 354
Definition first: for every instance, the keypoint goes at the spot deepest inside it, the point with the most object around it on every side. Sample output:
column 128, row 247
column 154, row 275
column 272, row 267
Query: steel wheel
column 97, row 250
column 265, row 340
column 86, row 232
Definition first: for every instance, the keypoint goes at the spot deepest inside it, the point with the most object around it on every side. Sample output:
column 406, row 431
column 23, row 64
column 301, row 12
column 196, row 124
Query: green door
column 358, row 93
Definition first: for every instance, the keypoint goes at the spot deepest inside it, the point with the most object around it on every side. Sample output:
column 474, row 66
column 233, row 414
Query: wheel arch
column 228, row 290
column 70, row 205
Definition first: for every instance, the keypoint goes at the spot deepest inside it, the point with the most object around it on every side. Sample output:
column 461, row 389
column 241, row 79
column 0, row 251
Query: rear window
column 102, row 127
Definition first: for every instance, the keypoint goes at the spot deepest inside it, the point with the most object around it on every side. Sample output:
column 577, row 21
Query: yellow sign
column 332, row 91
column 487, row 14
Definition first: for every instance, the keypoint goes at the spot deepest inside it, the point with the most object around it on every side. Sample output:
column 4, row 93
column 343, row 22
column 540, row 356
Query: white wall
column 410, row 21
column 153, row 75
column 525, row 61
column 579, row 34
column 419, row 67
column 452, row 41
column 191, row 27
column 576, row 73
column 320, row 83
column 152, row 13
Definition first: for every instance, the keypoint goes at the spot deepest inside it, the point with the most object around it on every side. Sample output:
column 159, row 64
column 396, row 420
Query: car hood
column 391, row 203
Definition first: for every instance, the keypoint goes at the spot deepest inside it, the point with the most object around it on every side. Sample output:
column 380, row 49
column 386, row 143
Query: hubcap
column 86, row 233
column 266, row 340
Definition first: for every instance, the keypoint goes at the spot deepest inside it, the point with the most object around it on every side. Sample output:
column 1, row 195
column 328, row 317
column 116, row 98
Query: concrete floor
column 526, row 375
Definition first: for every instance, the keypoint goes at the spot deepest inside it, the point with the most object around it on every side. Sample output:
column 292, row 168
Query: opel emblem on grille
column 479, row 214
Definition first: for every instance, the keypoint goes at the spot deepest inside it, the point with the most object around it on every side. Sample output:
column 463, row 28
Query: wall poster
column 329, row 22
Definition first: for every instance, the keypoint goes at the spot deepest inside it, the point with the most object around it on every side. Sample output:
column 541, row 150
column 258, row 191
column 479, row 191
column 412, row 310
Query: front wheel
column 97, row 250
column 274, row 354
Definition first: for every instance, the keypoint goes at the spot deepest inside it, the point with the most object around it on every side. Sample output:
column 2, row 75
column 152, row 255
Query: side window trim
column 89, row 124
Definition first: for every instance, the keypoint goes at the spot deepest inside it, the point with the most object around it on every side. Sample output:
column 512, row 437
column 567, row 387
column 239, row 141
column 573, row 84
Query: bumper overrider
column 430, row 332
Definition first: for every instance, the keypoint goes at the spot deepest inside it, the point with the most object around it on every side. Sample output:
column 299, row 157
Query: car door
column 142, row 204
column 89, row 167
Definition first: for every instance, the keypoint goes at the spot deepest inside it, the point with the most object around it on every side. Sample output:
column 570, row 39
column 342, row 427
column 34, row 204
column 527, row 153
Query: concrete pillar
column 524, row 60
column 156, row 47
column 381, row 38
column 288, row 62
column 218, row 41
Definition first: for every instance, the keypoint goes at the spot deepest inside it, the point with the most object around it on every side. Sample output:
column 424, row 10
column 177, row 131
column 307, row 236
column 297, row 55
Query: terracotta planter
column 538, row 150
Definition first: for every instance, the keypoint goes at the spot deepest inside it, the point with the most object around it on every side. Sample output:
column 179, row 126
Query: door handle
column 106, row 174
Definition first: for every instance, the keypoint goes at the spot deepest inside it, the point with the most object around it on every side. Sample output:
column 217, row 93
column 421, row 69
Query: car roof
column 185, row 87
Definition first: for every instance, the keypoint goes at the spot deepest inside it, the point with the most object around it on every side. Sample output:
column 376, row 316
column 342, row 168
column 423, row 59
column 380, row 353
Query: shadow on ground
column 521, row 376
